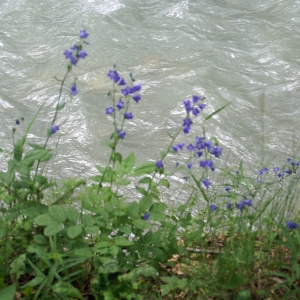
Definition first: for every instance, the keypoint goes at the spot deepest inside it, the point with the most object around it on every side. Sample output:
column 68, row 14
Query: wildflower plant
column 55, row 236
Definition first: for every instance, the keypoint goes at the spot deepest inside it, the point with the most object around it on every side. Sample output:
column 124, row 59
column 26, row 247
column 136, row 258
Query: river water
column 242, row 51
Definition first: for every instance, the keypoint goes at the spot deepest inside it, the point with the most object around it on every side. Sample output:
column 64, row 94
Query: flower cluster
column 76, row 52
column 191, row 107
column 126, row 91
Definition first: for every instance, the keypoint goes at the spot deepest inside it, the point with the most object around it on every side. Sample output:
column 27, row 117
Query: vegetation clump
column 87, row 238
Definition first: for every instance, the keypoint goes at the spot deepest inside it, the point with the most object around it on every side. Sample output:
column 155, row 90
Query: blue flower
column 17, row 122
column 180, row 145
column 227, row 188
column 122, row 82
column 216, row 151
column 82, row 54
column 187, row 122
column 206, row 183
column 259, row 180
column 121, row 134
column 276, row 169
column 135, row 88
column 213, row 207
column 187, row 105
column 288, row 159
column 189, row 165
column 120, row 104
column 279, row 175
column 202, row 106
column 265, row 170
column 159, row 164
column 73, row 60
column 248, row 202
column 291, row 225
column 68, row 54
column 175, row 148
column 190, row 147
column 126, row 91
column 109, row 111
column 240, row 205
column 136, row 98
column 229, row 205
column 195, row 111
column 207, row 164
column 54, row 128
column 199, row 153
column 288, row 171
column 195, row 99
column 113, row 75
column 259, row 172
column 146, row 217
column 73, row 90
column 83, row 34
column 74, row 48
column 128, row 115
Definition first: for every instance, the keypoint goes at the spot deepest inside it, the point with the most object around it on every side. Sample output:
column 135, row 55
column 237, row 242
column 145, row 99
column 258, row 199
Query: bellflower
column 195, row 99
column 159, row 164
column 202, row 106
column 187, row 105
column 122, row 82
column 136, row 98
column 206, row 183
column 213, row 207
column 82, row 54
column 207, row 164
column 180, row 145
column 189, row 165
column 187, row 122
column 128, row 115
column 73, row 90
column 146, row 217
column 54, row 128
column 291, row 225
column 83, row 34
column 120, row 104
column 199, row 153
column 113, row 75
column 227, row 188
column 216, row 151
column 126, row 91
column 190, row 147
column 240, row 205
column 135, row 88
column 195, row 111
column 229, row 205
column 121, row 134
column 279, row 175
column 175, row 148
column 248, row 202
column 109, row 110
column 276, row 169
column 17, row 122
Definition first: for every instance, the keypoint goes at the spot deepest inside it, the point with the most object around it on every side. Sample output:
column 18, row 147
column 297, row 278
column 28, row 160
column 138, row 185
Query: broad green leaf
column 235, row 281
column 18, row 266
column 146, row 203
column 133, row 210
column 40, row 239
column 87, row 220
column 24, row 169
column 145, row 271
column 244, row 295
column 8, row 293
column 18, row 150
column 21, row 185
column 72, row 213
column 111, row 145
column 10, row 174
column 44, row 220
column 125, row 228
column 157, row 216
column 158, row 207
column 117, row 157
column 97, row 178
column 57, row 213
column 216, row 111
column 61, row 106
column 140, row 224
column 164, row 182
column 103, row 244
column 123, row 182
column 122, row 241
column 100, row 169
column 147, row 180
column 144, row 168
column 141, row 190
column 66, row 289
column 35, row 281
column 74, row 231
column 52, row 228
column 129, row 162
column 35, row 146
column 36, row 154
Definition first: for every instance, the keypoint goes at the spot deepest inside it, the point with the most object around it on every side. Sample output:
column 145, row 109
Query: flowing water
column 242, row 51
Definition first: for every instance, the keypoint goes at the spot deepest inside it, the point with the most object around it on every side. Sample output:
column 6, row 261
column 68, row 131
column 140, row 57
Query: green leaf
column 141, row 190
column 66, row 289
column 10, row 175
column 147, row 180
column 144, row 168
column 18, row 150
column 97, row 178
column 158, row 207
column 44, row 220
column 40, row 239
column 146, row 203
column 35, row 146
column 133, row 210
column 111, row 145
column 72, row 213
column 52, row 229
column 61, row 106
column 24, row 169
column 164, row 182
column 123, row 182
column 36, row 154
column 8, row 293
column 140, row 224
column 122, row 241
column 129, row 162
column 216, row 111
column 244, row 295
column 235, row 281
column 74, row 231
column 35, row 281
column 18, row 266
column 117, row 157
column 57, row 213
column 100, row 169
column 144, row 271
